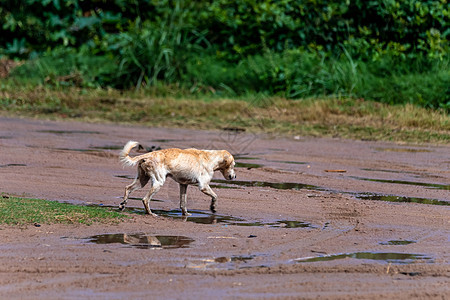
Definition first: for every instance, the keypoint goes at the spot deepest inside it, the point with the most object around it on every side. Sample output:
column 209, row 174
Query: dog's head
column 226, row 166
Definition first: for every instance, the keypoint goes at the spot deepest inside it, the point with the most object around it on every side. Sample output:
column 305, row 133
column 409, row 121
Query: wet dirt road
column 306, row 218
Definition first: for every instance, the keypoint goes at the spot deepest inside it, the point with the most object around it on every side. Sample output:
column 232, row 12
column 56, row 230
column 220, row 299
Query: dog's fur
column 187, row 167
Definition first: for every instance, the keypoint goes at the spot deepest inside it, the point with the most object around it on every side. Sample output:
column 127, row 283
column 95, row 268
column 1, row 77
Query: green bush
column 66, row 66
column 390, row 51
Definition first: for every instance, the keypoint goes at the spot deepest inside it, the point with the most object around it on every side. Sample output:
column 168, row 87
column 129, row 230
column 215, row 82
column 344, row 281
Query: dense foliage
column 387, row 50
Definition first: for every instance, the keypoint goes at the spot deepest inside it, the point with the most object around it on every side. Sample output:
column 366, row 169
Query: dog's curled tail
column 124, row 154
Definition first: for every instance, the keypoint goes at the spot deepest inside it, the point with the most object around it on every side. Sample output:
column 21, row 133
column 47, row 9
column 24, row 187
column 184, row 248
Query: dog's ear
column 227, row 158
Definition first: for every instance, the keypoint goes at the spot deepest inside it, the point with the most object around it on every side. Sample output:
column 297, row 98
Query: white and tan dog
column 187, row 167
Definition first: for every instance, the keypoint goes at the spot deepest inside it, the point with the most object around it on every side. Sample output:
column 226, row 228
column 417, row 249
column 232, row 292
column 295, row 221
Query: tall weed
column 150, row 52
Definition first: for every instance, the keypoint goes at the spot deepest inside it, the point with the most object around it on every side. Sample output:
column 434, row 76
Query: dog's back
column 171, row 157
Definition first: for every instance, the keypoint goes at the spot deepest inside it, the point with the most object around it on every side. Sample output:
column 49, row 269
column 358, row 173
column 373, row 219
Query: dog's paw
column 121, row 207
column 212, row 208
column 186, row 214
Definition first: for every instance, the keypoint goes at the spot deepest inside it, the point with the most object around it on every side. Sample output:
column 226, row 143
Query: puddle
column 219, row 186
column 129, row 198
column 274, row 185
column 234, row 258
column 165, row 140
column 13, row 165
column 292, row 224
column 242, row 258
column 248, row 165
column 126, row 176
column 108, row 148
column 223, row 262
column 270, row 160
column 428, row 185
column 396, row 258
column 142, row 241
column 246, row 157
column 76, row 149
column 390, row 198
column 202, row 217
column 69, row 131
column 385, row 171
column 146, row 149
column 289, row 162
column 411, row 150
column 397, row 242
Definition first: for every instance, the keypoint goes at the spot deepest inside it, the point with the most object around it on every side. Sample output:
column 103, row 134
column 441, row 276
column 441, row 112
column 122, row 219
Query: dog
column 185, row 166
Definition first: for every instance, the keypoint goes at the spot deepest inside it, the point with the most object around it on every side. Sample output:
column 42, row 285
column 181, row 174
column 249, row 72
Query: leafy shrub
column 64, row 66
column 299, row 48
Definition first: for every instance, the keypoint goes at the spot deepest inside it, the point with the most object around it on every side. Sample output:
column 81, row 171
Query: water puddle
column 390, row 198
column 384, row 170
column 428, row 185
column 13, row 165
column 237, row 157
column 142, row 241
column 165, row 140
column 274, row 185
column 248, row 165
column 126, row 176
column 203, row 217
column 76, row 149
column 242, row 258
column 260, row 165
column 234, row 258
column 108, row 147
column 411, row 150
column 223, row 262
column 145, row 149
column 220, row 186
column 289, row 162
column 396, row 258
column 69, row 131
column 292, row 224
column 397, row 243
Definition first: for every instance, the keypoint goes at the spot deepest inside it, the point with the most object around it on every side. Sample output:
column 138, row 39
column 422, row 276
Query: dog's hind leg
column 128, row 189
column 146, row 200
column 139, row 182
column 183, row 189
column 206, row 189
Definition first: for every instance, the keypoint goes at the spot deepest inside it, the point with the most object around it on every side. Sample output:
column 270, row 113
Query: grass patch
column 23, row 211
column 331, row 117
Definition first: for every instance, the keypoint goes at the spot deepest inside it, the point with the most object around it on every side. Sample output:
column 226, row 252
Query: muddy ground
column 307, row 218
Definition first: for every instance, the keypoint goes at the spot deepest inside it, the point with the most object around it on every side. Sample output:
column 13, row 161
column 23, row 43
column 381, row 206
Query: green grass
column 331, row 117
column 23, row 211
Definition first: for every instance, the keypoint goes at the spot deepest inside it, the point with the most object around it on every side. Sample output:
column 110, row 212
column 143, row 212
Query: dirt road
column 306, row 218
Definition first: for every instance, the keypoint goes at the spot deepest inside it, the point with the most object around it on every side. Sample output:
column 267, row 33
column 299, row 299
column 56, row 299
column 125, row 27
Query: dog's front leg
column 183, row 196
column 206, row 189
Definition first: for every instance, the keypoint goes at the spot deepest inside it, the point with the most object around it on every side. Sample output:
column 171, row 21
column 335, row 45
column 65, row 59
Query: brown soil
column 74, row 162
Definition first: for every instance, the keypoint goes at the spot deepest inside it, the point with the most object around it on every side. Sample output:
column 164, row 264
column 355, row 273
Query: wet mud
column 310, row 218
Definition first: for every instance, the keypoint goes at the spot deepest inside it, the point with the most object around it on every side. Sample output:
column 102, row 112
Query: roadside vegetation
column 25, row 211
column 355, row 69
column 328, row 116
